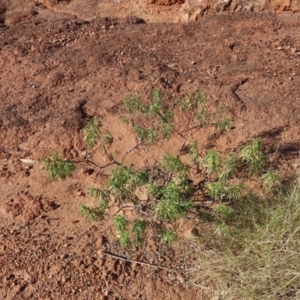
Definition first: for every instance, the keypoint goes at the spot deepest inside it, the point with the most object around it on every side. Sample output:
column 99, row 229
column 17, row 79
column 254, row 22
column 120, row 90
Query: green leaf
column 120, row 223
column 91, row 213
column 57, row 166
column 125, row 240
column 224, row 125
column 168, row 236
column 216, row 189
column 133, row 104
column 270, row 179
column 173, row 163
column 252, row 154
column 149, row 135
column 92, row 132
column 138, row 230
column 212, row 161
column 193, row 151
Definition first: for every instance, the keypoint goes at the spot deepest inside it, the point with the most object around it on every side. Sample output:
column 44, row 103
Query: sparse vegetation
column 170, row 196
column 252, row 252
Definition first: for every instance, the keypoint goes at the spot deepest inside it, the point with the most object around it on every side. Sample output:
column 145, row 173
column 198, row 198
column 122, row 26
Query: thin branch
column 102, row 167
column 182, row 146
column 110, row 156
column 134, row 206
column 147, row 150
column 198, row 126
column 130, row 150
column 286, row 167
column 123, row 207
column 163, row 118
column 137, row 262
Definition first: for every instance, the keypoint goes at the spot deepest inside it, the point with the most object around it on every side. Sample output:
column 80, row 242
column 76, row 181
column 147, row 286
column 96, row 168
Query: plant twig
column 182, row 146
column 130, row 150
column 137, row 262
column 147, row 150
column 286, row 167
column 127, row 206
column 102, row 167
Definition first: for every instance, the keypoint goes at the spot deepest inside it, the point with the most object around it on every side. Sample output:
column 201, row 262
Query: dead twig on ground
column 137, row 262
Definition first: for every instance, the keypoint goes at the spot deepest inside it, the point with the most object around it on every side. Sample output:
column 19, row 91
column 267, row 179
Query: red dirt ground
column 55, row 74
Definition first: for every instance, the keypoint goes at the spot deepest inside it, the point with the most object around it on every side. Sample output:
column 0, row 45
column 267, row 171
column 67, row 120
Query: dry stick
column 137, row 262
column 286, row 167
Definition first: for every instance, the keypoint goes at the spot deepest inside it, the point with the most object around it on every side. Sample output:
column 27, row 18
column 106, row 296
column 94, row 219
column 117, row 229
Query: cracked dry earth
column 55, row 75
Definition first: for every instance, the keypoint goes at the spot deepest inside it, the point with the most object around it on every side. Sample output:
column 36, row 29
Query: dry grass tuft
column 260, row 256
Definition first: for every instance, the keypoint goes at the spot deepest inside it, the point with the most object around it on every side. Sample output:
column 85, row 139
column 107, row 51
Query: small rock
column 293, row 50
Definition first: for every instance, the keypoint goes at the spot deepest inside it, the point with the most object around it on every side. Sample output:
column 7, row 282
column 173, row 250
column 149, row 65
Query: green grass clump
column 258, row 256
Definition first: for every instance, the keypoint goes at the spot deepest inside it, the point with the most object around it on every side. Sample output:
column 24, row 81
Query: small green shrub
column 133, row 104
column 125, row 240
column 168, row 186
column 148, row 135
column 120, row 223
column 229, row 167
column 123, row 181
